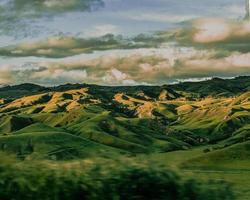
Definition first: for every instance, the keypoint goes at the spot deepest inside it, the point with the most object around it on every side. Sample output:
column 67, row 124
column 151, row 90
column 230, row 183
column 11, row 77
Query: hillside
column 139, row 119
column 214, row 87
column 199, row 129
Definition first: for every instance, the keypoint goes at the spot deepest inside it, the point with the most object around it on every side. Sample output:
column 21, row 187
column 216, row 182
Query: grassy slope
column 230, row 158
column 196, row 164
column 154, row 125
column 51, row 143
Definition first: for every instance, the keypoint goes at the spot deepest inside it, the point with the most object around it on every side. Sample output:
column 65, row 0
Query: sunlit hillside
column 203, row 129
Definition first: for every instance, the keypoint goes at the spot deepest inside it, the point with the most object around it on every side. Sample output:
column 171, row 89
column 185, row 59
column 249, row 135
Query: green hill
column 230, row 158
column 201, row 129
column 136, row 119
column 39, row 141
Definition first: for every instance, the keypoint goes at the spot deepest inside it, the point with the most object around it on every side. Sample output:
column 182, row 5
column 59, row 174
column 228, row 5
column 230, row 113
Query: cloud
column 211, row 31
column 104, row 29
column 230, row 66
column 161, row 17
column 220, row 31
column 17, row 16
column 5, row 75
column 57, row 47
column 116, row 77
column 130, row 69
column 218, row 34
column 64, row 46
column 198, row 49
column 214, row 33
column 35, row 8
column 60, row 76
column 115, row 74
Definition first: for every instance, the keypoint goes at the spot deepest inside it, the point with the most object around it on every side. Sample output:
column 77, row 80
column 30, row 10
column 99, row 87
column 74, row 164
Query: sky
column 122, row 42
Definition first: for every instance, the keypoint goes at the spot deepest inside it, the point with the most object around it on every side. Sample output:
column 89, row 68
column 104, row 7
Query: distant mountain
column 16, row 91
column 214, row 87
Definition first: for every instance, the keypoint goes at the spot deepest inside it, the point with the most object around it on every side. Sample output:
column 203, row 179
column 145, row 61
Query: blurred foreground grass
column 101, row 179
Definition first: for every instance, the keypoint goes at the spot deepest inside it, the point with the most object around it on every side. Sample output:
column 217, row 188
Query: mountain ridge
column 213, row 87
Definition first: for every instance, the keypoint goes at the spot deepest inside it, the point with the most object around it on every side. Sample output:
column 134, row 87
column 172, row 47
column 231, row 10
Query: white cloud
column 211, row 30
column 214, row 30
column 114, row 75
column 59, row 76
column 130, row 67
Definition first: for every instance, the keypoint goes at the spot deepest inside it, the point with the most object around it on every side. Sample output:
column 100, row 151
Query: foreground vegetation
column 102, row 179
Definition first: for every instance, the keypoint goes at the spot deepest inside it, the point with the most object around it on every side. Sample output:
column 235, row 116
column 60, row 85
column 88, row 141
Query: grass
column 235, row 157
column 220, row 165
column 123, row 178
column 13, row 123
column 51, row 143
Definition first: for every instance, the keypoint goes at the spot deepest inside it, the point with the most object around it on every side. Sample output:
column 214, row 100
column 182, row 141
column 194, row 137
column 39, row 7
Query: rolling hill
column 123, row 120
column 199, row 129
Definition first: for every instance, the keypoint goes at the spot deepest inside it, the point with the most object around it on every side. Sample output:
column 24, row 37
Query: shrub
column 136, row 183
